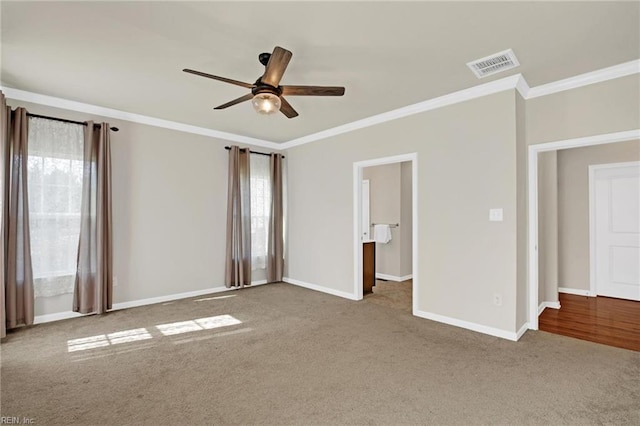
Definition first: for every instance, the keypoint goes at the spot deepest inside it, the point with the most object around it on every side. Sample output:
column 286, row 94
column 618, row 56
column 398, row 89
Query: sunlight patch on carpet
column 103, row 340
column 215, row 298
column 197, row 325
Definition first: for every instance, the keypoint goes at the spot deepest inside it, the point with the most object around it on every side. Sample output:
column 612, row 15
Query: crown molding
column 474, row 92
column 604, row 74
column 516, row 81
column 627, row 135
column 522, row 87
column 36, row 98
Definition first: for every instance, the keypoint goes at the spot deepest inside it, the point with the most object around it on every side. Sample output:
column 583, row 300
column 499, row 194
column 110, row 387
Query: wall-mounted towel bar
column 391, row 225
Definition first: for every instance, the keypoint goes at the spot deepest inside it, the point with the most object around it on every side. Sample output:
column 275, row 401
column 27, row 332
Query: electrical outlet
column 115, row 281
column 497, row 299
column 496, row 215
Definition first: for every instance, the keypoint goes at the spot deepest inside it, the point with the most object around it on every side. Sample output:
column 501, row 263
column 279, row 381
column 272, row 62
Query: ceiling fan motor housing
column 264, row 58
column 261, row 87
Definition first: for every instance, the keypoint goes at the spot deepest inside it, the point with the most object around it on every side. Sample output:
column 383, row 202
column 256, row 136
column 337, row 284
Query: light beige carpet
column 392, row 294
column 301, row 357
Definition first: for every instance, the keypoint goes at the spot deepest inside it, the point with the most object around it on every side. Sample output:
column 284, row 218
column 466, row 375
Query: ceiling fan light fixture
column 267, row 95
column 266, row 103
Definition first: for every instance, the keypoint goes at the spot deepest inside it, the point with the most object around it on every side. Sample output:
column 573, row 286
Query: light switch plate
column 495, row 215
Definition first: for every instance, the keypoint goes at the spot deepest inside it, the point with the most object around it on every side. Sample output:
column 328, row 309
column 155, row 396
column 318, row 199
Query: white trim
column 593, row 168
column 623, row 136
column 357, row 237
column 604, row 74
column 532, row 213
column 40, row 319
column 414, row 234
column 592, row 232
column 319, row 288
column 357, row 219
column 463, row 95
column 173, row 297
column 544, row 305
column 167, row 298
column 143, row 302
column 576, row 291
column 522, row 86
column 509, row 335
column 22, row 95
column 532, row 236
column 522, row 330
column 380, row 276
column 516, row 81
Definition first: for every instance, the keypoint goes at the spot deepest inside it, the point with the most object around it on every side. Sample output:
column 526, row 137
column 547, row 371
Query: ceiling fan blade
column 312, row 90
column 215, row 77
column 276, row 66
column 287, row 109
column 235, row 101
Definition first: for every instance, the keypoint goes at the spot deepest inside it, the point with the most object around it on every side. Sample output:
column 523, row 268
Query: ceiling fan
column 267, row 95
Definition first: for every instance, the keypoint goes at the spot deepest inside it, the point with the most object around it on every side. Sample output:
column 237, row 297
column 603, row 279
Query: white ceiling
column 129, row 55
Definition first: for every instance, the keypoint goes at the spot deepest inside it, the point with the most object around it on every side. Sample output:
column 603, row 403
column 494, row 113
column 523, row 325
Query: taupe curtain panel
column 17, row 274
column 93, row 291
column 238, row 248
column 4, row 127
column 275, row 243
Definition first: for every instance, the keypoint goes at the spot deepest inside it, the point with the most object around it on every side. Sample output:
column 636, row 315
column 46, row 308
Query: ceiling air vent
column 493, row 64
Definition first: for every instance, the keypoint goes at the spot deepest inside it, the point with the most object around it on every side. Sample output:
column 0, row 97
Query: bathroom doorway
column 385, row 221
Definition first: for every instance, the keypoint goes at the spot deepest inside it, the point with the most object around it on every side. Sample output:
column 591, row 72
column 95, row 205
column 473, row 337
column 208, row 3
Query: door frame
column 357, row 220
column 362, row 228
column 593, row 288
column 532, row 190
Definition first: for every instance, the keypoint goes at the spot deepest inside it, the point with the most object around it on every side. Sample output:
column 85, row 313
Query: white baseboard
column 509, row 335
column 141, row 302
column 167, row 298
column 393, row 277
column 552, row 305
column 320, row 288
column 576, row 291
column 40, row 319
column 522, row 330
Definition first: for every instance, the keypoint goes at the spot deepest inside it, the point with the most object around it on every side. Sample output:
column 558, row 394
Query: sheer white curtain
column 55, row 193
column 260, row 209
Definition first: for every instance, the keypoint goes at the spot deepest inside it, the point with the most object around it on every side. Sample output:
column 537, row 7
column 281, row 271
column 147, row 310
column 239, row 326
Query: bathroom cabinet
column 368, row 267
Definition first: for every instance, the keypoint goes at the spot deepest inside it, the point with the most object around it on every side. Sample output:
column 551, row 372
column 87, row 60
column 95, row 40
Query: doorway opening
column 385, row 200
column 536, row 305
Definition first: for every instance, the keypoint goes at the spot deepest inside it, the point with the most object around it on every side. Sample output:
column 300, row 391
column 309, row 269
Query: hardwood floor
column 613, row 322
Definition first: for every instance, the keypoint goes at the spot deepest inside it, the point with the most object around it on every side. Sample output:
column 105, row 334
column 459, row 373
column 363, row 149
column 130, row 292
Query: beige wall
column 547, row 227
column 573, row 206
column 169, row 211
column 607, row 107
column 406, row 219
column 470, row 160
column 466, row 165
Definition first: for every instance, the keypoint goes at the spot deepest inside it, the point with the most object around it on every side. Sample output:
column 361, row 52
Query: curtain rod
column 64, row 120
column 252, row 152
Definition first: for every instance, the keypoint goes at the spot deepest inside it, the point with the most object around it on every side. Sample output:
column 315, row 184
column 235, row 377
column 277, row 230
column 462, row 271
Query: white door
column 615, row 210
column 366, row 226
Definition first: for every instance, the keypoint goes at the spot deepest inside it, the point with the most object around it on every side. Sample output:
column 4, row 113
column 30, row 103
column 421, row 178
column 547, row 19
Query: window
column 55, row 193
column 260, row 177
